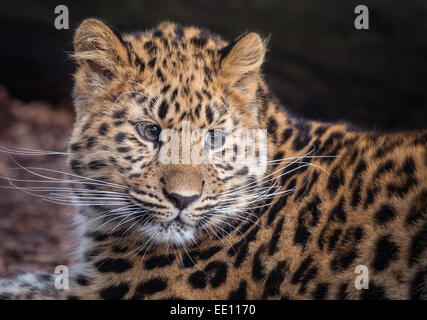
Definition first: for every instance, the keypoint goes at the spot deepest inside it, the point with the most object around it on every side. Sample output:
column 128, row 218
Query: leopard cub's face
column 167, row 136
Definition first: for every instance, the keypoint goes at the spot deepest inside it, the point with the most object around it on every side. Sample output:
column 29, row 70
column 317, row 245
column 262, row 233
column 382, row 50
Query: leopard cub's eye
column 214, row 139
column 150, row 132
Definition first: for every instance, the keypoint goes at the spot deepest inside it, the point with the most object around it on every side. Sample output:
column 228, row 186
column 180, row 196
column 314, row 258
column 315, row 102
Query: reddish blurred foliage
column 34, row 234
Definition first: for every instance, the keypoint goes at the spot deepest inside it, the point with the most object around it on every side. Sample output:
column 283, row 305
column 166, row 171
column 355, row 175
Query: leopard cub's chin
column 171, row 233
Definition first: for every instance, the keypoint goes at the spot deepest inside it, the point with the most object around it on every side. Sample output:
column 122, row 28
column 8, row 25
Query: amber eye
column 150, row 132
column 214, row 139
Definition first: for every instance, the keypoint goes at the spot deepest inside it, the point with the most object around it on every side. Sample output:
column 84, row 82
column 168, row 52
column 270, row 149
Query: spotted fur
column 366, row 207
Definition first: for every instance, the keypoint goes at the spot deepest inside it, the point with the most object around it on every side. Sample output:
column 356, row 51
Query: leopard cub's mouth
column 164, row 225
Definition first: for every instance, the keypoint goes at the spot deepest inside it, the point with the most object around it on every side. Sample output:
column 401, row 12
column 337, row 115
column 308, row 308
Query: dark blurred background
column 318, row 64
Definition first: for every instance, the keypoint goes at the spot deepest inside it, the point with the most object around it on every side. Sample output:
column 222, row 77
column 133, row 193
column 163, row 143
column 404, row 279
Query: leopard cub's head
column 168, row 141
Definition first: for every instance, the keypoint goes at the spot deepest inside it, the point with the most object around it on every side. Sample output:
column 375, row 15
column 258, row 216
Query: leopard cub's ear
column 98, row 52
column 242, row 58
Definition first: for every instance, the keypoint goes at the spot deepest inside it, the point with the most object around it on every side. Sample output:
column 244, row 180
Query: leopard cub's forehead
column 188, row 55
column 174, row 71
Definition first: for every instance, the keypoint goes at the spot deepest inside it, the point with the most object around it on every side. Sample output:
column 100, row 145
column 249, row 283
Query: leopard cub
column 328, row 202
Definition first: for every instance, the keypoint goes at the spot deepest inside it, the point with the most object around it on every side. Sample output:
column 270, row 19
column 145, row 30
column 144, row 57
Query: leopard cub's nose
column 182, row 184
column 180, row 201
